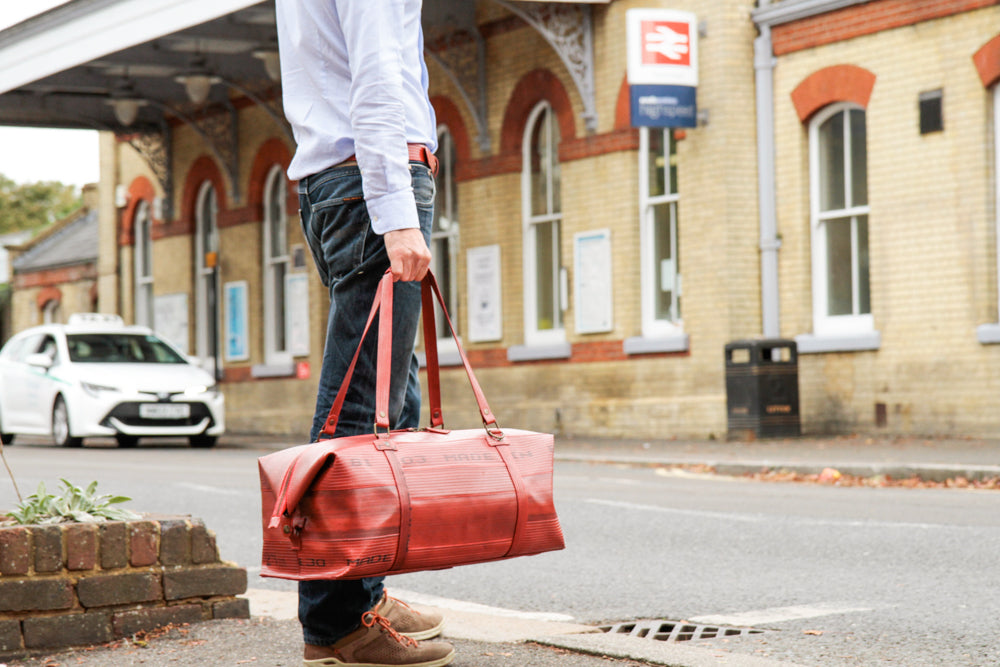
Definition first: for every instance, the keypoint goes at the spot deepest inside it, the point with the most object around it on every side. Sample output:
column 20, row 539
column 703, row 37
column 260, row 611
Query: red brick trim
column 536, row 86
column 600, row 144
column 141, row 189
column 987, row 61
column 271, row 152
column 491, row 166
column 53, row 277
column 580, row 353
column 533, row 88
column 449, row 115
column 623, row 106
column 838, row 83
column 203, row 169
column 238, row 374
column 47, row 294
column 865, row 19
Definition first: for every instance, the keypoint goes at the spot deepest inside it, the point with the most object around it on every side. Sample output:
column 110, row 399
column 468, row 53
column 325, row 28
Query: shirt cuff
column 394, row 211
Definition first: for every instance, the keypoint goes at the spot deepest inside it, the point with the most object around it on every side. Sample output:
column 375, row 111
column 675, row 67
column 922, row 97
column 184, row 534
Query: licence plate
column 164, row 410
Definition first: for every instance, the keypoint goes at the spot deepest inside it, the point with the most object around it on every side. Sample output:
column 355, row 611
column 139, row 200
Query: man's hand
column 409, row 256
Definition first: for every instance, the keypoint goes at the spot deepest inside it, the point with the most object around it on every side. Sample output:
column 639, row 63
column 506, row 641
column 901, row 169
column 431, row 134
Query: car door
column 40, row 385
column 17, row 412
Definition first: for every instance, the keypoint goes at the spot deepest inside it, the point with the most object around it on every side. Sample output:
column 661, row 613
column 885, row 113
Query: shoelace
column 403, row 604
column 370, row 618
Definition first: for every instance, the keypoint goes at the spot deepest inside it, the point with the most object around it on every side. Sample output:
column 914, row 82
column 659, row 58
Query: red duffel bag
column 402, row 501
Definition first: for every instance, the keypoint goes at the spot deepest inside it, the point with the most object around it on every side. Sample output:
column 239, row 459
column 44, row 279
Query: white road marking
column 749, row 518
column 780, row 614
column 760, row 518
column 205, row 488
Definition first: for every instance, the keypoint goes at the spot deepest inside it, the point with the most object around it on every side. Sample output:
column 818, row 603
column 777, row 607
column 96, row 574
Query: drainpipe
column 769, row 242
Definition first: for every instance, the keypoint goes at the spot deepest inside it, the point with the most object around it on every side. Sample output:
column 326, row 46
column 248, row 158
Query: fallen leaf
column 816, row 633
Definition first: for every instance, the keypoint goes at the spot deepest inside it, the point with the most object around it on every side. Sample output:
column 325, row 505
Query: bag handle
column 383, row 302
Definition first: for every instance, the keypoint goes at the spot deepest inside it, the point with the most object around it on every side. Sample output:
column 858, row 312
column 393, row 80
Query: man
column 355, row 92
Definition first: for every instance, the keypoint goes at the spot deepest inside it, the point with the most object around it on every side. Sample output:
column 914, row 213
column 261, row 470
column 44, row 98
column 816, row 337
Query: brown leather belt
column 417, row 153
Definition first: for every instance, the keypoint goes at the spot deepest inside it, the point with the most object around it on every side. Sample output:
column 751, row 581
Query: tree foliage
column 33, row 205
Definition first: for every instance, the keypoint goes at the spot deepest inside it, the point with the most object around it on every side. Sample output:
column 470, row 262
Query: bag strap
column 430, row 291
column 330, row 425
column 382, row 305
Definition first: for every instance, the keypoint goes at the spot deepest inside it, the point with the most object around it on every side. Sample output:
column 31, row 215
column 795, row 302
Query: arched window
column 52, row 312
column 542, row 213
column 206, row 250
column 276, row 264
column 444, row 236
column 839, row 211
column 143, row 251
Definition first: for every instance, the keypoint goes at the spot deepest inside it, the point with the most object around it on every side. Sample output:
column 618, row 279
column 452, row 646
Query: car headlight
column 202, row 390
column 96, row 390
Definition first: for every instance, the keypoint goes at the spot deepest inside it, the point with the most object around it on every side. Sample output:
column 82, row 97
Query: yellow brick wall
column 932, row 242
column 644, row 396
column 931, row 228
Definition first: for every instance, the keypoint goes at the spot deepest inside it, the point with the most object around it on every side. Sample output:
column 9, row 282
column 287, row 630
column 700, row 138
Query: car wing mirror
column 40, row 360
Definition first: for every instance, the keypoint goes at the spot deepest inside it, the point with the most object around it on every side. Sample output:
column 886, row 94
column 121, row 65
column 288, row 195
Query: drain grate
column 676, row 631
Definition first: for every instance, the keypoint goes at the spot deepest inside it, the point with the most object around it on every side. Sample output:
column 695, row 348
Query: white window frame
column 52, row 311
column 653, row 327
column 824, row 324
column 446, row 207
column 533, row 336
column 143, row 262
column 203, row 275
column 990, row 333
column 274, row 186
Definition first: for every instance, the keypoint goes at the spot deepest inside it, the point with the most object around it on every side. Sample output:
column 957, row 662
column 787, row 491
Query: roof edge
column 794, row 10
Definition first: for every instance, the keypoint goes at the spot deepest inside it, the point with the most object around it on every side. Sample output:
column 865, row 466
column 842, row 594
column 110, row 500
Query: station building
column 839, row 190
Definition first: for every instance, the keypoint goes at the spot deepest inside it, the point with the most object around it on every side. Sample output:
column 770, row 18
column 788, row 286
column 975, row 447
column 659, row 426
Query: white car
column 97, row 377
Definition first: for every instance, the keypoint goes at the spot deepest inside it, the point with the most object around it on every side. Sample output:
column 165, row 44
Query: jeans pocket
column 342, row 229
column 424, row 188
column 336, row 224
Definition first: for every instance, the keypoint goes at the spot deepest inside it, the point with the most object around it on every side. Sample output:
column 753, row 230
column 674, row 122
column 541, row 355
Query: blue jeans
column 351, row 260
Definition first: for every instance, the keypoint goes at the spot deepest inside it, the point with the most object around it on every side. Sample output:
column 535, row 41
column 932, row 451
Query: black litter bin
column 762, row 389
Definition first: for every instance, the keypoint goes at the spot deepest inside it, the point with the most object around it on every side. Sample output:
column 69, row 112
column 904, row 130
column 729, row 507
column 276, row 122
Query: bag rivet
column 381, row 413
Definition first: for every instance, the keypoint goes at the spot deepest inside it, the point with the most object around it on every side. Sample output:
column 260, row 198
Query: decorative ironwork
column 568, row 28
column 155, row 149
column 220, row 130
column 267, row 100
column 462, row 56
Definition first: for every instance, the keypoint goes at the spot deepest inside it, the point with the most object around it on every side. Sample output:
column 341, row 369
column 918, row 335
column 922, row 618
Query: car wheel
column 127, row 440
column 6, row 438
column 203, row 441
column 60, row 425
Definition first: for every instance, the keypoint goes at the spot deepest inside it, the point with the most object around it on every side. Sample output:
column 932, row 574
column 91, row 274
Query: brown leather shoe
column 408, row 621
column 377, row 644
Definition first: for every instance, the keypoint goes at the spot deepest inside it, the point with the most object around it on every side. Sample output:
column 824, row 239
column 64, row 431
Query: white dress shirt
column 355, row 84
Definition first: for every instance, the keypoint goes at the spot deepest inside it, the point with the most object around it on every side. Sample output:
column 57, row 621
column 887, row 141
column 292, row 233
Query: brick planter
column 75, row 584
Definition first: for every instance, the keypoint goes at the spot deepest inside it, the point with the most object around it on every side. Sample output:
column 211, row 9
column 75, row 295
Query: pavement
column 490, row 637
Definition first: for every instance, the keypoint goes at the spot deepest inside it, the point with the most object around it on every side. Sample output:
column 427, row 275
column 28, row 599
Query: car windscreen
column 120, row 349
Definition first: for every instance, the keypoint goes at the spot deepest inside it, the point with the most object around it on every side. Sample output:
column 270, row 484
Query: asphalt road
column 834, row 576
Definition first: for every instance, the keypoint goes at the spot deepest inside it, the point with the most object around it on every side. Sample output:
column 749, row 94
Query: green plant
column 74, row 504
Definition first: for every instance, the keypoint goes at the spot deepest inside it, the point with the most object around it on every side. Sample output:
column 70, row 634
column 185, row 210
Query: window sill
column 278, row 370
column 678, row 342
column 445, row 358
column 857, row 342
column 538, row 352
column 988, row 333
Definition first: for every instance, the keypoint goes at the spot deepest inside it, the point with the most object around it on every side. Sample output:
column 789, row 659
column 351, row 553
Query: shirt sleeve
column 375, row 38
